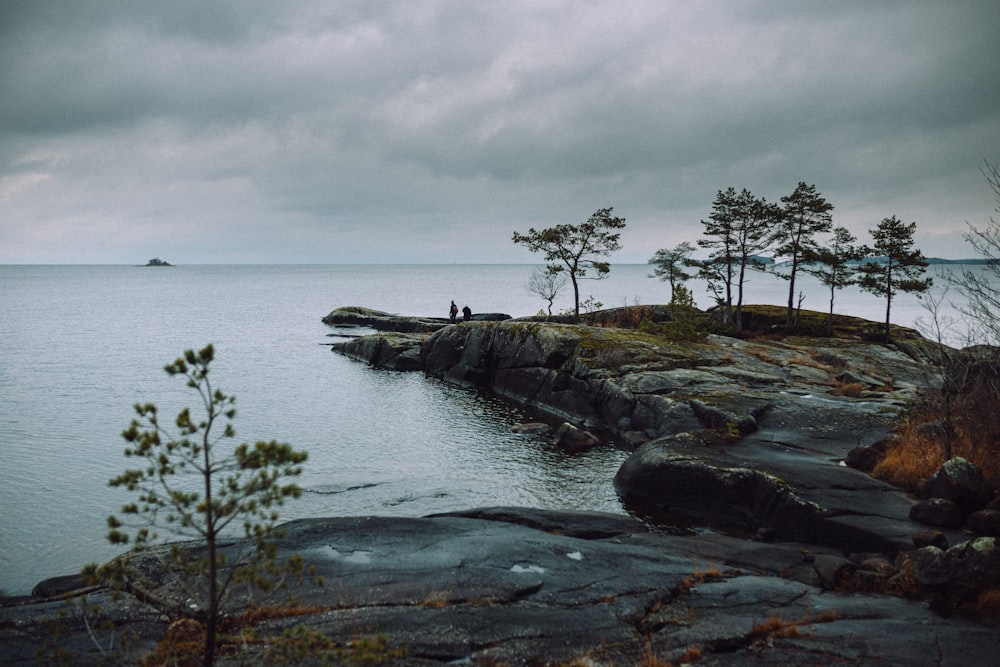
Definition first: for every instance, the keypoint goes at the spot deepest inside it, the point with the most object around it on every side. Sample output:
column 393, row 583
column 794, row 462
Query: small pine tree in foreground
column 194, row 485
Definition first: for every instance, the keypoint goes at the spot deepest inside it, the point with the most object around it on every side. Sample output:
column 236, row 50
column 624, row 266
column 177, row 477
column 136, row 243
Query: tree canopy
column 834, row 265
column 672, row 264
column 894, row 266
column 194, row 484
column 738, row 228
column 577, row 249
column 805, row 215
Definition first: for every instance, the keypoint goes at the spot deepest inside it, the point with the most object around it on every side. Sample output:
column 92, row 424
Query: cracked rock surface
column 520, row 586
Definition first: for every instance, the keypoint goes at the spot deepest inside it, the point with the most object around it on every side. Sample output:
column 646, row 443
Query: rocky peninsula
column 757, row 536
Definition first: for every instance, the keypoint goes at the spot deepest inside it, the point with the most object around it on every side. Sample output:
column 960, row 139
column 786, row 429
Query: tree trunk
column 829, row 320
column 791, row 292
column 576, row 297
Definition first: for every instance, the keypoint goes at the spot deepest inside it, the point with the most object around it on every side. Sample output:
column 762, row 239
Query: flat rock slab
column 522, row 586
column 517, row 586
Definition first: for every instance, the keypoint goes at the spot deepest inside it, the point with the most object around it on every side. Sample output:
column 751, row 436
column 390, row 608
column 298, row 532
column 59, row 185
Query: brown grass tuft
column 850, row 390
column 693, row 654
column 987, row 607
column 910, row 460
column 776, row 627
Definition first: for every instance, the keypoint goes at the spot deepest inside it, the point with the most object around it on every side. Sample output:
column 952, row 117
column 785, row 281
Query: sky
column 429, row 131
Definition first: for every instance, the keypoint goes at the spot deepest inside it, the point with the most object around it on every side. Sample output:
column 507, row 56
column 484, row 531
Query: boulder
column 930, row 538
column 937, row 512
column 834, row 571
column 984, row 522
column 963, row 483
column 658, row 481
column 531, row 428
column 866, row 457
column 575, row 439
column 954, row 578
column 489, row 317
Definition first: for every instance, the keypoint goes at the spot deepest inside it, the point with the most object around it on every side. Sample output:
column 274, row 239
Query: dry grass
column 917, row 454
column 436, row 600
column 693, row 654
column 779, row 628
column 182, row 645
column 850, row 390
column 910, row 460
column 649, row 657
column 987, row 607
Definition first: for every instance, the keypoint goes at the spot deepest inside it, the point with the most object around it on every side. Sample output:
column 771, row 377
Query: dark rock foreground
column 518, row 586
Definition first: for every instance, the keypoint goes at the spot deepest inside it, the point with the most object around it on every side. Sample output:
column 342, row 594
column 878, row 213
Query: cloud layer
column 430, row 131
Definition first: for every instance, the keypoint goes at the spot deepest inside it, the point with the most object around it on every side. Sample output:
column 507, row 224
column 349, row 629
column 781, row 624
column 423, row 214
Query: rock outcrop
column 775, row 409
column 518, row 586
column 753, row 437
column 757, row 544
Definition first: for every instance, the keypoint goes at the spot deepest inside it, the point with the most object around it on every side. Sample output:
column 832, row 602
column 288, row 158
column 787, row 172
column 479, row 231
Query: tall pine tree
column 737, row 230
column 894, row 266
column 805, row 215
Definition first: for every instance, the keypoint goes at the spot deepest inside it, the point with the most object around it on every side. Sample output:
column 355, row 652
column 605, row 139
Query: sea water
column 82, row 344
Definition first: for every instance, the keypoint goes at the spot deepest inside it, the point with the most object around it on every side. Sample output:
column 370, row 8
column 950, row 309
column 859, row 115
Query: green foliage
column 193, row 483
column 834, row 265
column 805, row 215
column 738, row 228
column 672, row 264
column 577, row 248
column 684, row 330
column 681, row 300
column 895, row 266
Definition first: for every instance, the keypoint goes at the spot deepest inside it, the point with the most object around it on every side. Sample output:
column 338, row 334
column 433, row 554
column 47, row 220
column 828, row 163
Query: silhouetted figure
column 453, row 312
column 467, row 313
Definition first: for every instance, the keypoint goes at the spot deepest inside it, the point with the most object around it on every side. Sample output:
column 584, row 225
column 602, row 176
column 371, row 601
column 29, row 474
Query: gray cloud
column 429, row 131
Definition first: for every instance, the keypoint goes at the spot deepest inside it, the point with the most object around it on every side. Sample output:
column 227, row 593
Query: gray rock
column 833, row 571
column 961, row 482
column 575, row 439
column 930, row 538
column 356, row 316
column 984, row 522
column 531, row 428
column 394, row 351
column 866, row 457
column 937, row 512
column 510, row 586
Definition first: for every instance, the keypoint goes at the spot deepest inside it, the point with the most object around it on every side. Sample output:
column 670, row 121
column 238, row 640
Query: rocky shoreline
column 759, row 542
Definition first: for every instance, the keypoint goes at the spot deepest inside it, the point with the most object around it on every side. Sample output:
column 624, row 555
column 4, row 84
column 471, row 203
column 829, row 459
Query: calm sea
column 82, row 344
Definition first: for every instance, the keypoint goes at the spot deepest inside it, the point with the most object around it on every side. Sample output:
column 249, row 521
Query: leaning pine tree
column 193, row 484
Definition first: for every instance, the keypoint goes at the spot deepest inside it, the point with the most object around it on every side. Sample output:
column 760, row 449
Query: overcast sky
column 410, row 131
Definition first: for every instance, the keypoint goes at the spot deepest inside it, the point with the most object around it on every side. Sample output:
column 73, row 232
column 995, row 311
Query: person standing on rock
column 466, row 313
column 453, row 312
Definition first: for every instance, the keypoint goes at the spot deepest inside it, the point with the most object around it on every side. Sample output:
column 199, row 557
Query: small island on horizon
column 156, row 261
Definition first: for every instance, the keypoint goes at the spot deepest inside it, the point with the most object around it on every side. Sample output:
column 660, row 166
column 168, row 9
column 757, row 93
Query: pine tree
column 576, row 248
column 893, row 265
column 834, row 265
column 738, row 228
column 193, row 485
column 805, row 215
